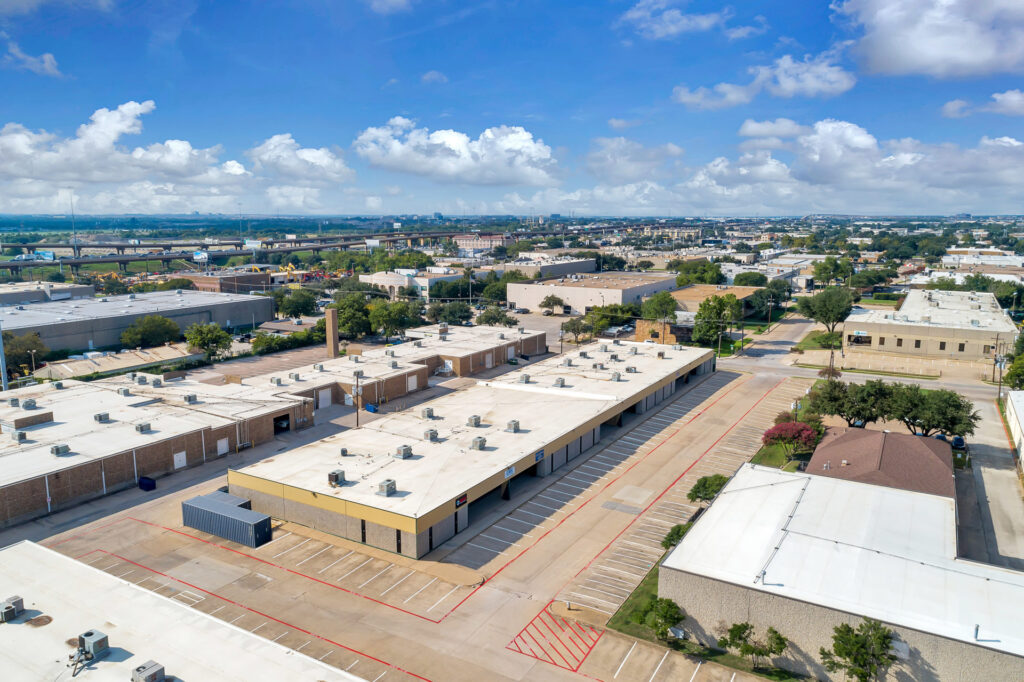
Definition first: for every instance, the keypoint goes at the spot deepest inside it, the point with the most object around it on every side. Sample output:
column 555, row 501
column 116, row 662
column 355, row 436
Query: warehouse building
column 421, row 280
column 103, row 362
column 410, row 481
column 956, row 325
column 535, row 265
column 690, row 297
column 127, row 628
column 21, row 293
column 68, row 442
column 583, row 292
column 229, row 281
column 805, row 553
column 99, row 322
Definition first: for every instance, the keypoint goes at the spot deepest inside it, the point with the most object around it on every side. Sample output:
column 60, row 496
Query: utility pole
column 357, row 401
column 770, row 302
column 3, row 362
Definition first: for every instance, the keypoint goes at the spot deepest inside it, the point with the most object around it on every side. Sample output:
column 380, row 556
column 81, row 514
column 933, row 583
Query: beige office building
column 955, row 325
column 582, row 292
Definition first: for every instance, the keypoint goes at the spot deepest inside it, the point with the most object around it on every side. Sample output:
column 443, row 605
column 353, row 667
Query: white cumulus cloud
column 942, row 38
column 16, row 58
column 281, row 155
column 1009, row 103
column 499, row 155
column 434, row 77
column 617, row 160
column 956, row 108
column 780, row 127
column 659, row 20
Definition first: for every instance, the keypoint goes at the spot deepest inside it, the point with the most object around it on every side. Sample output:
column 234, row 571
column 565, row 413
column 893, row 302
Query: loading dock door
column 413, row 382
column 222, row 446
column 324, row 398
column 179, row 460
column 511, row 352
column 489, row 360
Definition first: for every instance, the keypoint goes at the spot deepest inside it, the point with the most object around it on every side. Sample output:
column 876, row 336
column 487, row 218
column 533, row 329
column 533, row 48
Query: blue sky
column 608, row 107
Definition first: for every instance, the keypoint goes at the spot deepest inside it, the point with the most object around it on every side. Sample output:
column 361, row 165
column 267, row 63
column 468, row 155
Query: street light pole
column 357, row 401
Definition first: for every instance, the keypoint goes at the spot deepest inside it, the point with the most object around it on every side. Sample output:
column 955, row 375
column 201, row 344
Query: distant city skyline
column 628, row 108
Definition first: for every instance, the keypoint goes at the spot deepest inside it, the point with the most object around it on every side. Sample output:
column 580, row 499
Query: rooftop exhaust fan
column 61, row 449
column 191, row 398
column 430, row 435
column 275, row 381
column 428, row 413
column 143, row 427
column 524, row 378
column 403, row 452
column 479, row 443
column 559, row 382
column 294, row 376
column 474, row 420
column 101, row 417
column 513, row 426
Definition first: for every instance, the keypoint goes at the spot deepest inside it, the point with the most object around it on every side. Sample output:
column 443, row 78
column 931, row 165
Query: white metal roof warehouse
column 850, row 547
column 140, row 625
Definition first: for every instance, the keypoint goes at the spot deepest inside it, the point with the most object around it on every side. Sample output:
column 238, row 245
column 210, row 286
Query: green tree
column 676, row 534
column 391, row 318
column 18, row 350
column 740, row 638
column 750, row 279
column 714, row 313
column 456, row 312
column 151, row 330
column 932, row 411
column 175, row 283
column 353, row 315
column 856, row 404
column 56, row 276
column 297, row 303
column 706, row 487
column 828, row 307
column 551, row 301
column 1015, row 375
column 209, row 338
column 864, row 653
column 493, row 316
column 578, row 327
column 644, row 265
column 659, row 615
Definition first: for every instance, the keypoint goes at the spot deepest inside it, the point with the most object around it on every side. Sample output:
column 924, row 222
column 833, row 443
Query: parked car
column 547, row 313
column 522, row 311
column 959, row 443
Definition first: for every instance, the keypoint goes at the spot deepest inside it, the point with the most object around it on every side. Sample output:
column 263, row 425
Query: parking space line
column 442, row 599
column 695, row 670
column 517, row 533
column 398, row 583
column 619, row 669
column 380, row 676
column 655, row 673
column 384, row 570
column 555, row 499
column 544, row 506
column 325, row 655
column 336, row 561
column 568, row 485
column 419, row 590
column 623, row 563
column 523, row 511
column 258, row 627
column 314, row 556
column 291, row 548
column 512, row 518
column 613, row 578
column 584, row 586
column 280, row 635
column 355, row 569
column 282, row 537
column 491, row 537
column 351, row 665
column 614, row 587
column 582, row 599
column 125, row 573
column 486, row 549
column 216, row 609
column 303, row 645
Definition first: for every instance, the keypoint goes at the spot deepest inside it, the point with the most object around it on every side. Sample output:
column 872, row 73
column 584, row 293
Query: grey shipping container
column 243, row 526
column 233, row 500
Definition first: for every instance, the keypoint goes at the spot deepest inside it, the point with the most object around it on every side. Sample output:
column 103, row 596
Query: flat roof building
column 101, row 362
column 542, row 266
column 99, row 322
column 585, row 291
column 15, row 293
column 229, row 281
column 421, row 280
column 409, row 480
column 690, row 297
column 804, row 554
column 958, row 325
column 64, row 598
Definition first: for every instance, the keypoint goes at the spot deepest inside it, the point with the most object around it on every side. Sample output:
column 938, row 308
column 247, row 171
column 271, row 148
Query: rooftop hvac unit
column 11, row 608
column 522, row 330
column 501, row 335
column 630, row 369
column 559, row 382
column 604, row 347
column 417, row 344
column 442, row 337
column 29, row 403
column 294, row 376
column 143, row 427
column 389, row 353
column 93, row 644
column 61, row 449
column 275, row 381
column 343, row 452
column 132, row 375
column 150, row 671
column 387, row 487
column 474, row 420
column 101, row 417
column 430, row 435
column 124, row 391
column 336, row 478
column 131, row 297
column 157, row 383
column 616, row 376
column 613, row 356
column 524, row 378
column 513, row 426
column 318, row 367
column 428, row 412
column 567, row 362
column 584, row 355
column 58, row 385
column 13, row 402
column 661, row 355
column 18, row 436
column 357, row 373
column 355, row 358
column 403, row 452
column 617, row 342
column 479, row 443
column 394, row 364
column 632, row 350
column 191, row 398
column 141, row 379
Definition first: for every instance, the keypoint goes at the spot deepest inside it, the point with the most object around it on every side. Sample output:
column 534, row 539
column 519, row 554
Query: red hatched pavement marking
column 265, row 615
column 556, row 640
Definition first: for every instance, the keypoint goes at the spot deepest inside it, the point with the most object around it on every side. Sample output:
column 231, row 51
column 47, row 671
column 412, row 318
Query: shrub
column 659, row 615
column 784, row 417
column 796, row 434
column 676, row 534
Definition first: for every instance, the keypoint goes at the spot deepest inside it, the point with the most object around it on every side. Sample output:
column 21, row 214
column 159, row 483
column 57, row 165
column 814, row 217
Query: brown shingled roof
column 895, row 460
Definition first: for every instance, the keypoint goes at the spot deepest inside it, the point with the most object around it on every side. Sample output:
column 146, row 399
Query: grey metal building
column 98, row 322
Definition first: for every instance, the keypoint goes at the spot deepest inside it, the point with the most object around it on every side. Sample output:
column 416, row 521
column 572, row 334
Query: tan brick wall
column 711, row 605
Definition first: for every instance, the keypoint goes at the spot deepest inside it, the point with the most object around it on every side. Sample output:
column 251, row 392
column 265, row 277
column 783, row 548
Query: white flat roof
column 141, row 626
column 440, row 471
column 77, row 310
column 879, row 552
column 942, row 309
column 75, row 405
